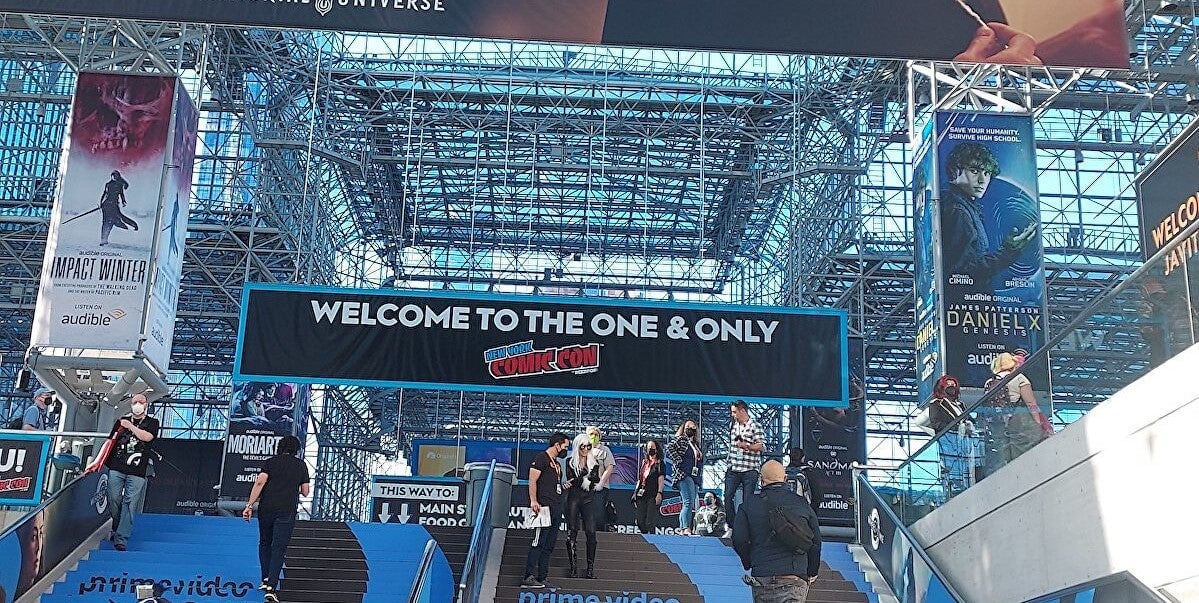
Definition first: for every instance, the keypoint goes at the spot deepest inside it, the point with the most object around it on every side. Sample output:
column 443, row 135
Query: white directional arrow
column 404, row 516
column 385, row 516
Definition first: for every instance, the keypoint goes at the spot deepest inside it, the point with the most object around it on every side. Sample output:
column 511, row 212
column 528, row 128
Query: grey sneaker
column 531, row 582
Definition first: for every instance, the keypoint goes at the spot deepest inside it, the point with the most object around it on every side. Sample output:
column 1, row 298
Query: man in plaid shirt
column 745, row 459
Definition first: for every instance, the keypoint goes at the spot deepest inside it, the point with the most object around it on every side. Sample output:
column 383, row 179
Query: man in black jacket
column 777, row 574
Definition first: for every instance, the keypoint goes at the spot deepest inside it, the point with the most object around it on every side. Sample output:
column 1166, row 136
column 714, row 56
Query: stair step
column 510, row 594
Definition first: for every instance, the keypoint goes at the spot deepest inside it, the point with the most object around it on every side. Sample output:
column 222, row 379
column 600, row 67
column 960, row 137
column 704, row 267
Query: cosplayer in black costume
column 111, row 201
column 584, row 479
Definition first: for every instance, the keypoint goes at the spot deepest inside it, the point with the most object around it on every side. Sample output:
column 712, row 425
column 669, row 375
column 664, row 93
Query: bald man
column 127, row 464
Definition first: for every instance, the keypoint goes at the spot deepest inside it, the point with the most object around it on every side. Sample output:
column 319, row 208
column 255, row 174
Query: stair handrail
column 480, row 542
column 862, row 485
column 422, row 572
column 1042, row 354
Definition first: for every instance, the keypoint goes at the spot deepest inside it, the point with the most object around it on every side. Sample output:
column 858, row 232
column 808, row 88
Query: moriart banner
column 1076, row 33
column 98, row 264
column 991, row 269
column 260, row 414
column 563, row 346
column 1168, row 197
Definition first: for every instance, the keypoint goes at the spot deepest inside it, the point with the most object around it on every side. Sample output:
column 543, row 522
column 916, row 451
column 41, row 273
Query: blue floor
column 215, row 559
column 715, row 569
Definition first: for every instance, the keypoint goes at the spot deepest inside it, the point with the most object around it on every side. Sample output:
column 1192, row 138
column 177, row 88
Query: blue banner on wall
column 991, row 272
column 929, row 361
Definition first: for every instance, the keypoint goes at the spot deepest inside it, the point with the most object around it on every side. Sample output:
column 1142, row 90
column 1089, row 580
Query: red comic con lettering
column 578, row 356
column 15, row 484
column 533, row 363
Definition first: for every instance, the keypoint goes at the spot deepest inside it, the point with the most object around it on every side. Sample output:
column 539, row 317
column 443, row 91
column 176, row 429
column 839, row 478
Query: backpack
column 790, row 528
column 17, row 423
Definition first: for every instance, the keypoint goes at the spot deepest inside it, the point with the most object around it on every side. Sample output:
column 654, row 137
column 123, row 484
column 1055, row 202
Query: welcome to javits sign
column 1077, row 33
column 1168, row 200
column 525, row 344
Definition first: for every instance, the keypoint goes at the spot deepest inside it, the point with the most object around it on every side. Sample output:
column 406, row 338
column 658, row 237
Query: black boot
column 590, row 558
column 571, row 553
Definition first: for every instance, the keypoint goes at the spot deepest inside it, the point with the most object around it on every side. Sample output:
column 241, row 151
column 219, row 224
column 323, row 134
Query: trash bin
column 501, row 491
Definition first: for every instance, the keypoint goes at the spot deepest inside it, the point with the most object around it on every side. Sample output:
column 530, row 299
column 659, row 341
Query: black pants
column 274, row 533
column 647, row 514
column 580, row 511
column 544, row 539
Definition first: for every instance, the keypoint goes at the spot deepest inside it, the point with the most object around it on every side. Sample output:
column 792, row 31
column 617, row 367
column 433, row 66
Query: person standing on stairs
column 688, row 466
column 650, row 483
column 545, row 492
column 127, row 462
column 583, row 475
column 745, row 459
column 780, row 570
column 283, row 479
column 601, row 455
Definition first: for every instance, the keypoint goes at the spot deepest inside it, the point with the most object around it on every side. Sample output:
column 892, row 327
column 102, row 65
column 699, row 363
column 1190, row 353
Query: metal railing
column 419, row 593
column 1138, row 324
column 480, row 542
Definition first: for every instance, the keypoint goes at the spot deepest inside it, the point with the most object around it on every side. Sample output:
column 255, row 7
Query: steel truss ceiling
column 375, row 161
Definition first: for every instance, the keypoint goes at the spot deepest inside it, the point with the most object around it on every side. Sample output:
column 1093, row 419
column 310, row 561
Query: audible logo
column 90, row 318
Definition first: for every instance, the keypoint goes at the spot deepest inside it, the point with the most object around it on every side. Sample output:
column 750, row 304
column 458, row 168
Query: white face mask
column 138, row 408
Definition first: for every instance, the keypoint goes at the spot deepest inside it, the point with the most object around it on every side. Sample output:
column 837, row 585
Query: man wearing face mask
column 40, row 416
column 131, row 436
column 545, row 490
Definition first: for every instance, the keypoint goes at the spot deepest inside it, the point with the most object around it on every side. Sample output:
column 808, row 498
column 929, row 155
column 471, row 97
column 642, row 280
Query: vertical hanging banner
column 260, row 414
column 834, row 438
column 929, row 361
column 99, row 251
column 992, row 275
column 171, row 232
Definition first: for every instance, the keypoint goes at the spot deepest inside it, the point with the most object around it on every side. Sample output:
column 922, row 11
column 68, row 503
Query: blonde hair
column 576, row 459
column 1003, row 362
column 593, row 430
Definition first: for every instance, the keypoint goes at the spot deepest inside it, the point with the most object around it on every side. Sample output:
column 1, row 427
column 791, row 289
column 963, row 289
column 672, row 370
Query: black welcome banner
column 443, row 340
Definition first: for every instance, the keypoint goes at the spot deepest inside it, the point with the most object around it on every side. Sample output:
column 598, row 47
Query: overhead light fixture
column 1167, row 6
column 1192, row 95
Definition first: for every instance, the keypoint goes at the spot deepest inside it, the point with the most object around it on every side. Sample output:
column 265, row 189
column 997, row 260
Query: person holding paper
column 545, row 497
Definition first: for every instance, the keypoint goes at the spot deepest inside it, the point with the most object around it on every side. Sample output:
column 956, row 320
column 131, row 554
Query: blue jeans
column 686, row 487
column 745, row 481
column 274, row 532
column 544, row 540
column 125, row 494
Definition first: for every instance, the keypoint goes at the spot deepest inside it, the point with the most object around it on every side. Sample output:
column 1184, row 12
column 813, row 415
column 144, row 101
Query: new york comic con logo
column 324, row 7
column 524, row 360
